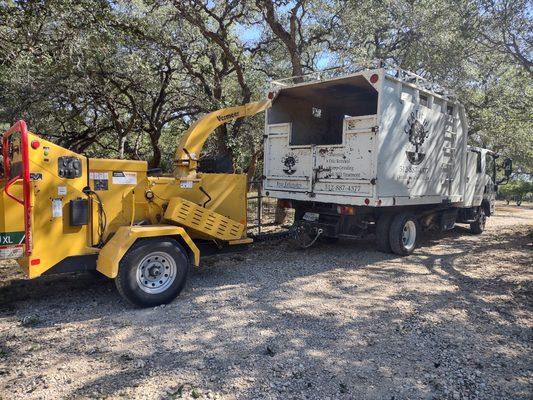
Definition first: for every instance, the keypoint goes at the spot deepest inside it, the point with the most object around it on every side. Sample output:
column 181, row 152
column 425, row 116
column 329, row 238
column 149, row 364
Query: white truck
column 378, row 151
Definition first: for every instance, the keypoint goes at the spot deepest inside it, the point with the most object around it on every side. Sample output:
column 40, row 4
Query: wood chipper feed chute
column 202, row 220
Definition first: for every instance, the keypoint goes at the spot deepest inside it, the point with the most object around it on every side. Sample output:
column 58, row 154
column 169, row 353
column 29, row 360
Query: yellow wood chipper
column 63, row 212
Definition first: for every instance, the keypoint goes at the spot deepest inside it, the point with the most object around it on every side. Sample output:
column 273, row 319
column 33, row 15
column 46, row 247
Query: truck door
column 475, row 179
column 490, row 180
column 346, row 168
column 287, row 168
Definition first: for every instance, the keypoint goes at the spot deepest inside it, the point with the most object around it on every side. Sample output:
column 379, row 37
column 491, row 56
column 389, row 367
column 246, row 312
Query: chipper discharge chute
column 63, row 212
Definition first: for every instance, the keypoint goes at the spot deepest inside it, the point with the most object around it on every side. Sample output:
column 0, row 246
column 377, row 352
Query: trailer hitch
column 305, row 234
column 300, row 239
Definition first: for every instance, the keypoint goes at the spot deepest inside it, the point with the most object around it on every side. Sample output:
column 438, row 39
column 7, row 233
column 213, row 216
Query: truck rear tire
column 403, row 234
column 152, row 272
column 382, row 233
column 478, row 226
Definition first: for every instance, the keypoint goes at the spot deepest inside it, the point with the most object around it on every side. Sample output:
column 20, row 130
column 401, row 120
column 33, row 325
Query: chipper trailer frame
column 63, row 212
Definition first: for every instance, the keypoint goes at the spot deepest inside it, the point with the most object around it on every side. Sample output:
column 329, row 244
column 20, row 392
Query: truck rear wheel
column 478, row 226
column 382, row 233
column 153, row 272
column 403, row 234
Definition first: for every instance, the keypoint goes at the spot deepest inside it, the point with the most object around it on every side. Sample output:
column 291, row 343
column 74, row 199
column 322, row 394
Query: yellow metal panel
column 12, row 213
column 54, row 238
column 118, row 197
column 113, row 251
column 227, row 195
column 105, row 164
column 12, row 218
column 203, row 221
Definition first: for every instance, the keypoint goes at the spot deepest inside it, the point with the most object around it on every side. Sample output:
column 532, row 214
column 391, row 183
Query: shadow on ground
column 344, row 321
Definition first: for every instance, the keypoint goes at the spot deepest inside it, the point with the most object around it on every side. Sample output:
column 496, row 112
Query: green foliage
column 500, row 113
column 118, row 78
column 516, row 188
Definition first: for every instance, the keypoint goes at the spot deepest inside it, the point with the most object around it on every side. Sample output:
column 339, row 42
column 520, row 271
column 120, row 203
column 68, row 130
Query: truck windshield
column 317, row 111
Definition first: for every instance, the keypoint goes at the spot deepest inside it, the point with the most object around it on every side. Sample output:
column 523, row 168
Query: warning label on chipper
column 124, row 178
column 99, row 176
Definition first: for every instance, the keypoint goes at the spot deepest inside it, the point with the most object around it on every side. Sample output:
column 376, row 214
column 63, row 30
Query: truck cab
column 481, row 187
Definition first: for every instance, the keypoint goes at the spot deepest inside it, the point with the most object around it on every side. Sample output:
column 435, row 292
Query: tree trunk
column 122, row 144
column 250, row 171
column 155, row 161
column 156, row 158
column 223, row 150
column 288, row 37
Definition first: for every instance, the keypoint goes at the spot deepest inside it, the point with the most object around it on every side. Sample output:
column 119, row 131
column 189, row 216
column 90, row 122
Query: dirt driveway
column 342, row 321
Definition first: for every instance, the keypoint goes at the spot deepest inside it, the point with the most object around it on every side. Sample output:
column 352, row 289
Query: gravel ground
column 341, row 321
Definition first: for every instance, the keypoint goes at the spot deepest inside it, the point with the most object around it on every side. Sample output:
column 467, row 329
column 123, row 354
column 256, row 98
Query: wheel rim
column 409, row 235
column 482, row 220
column 156, row 272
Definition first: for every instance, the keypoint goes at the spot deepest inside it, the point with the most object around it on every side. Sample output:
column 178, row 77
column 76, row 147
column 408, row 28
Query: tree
column 305, row 28
column 506, row 27
column 517, row 189
column 91, row 83
column 219, row 67
column 499, row 106
column 124, row 78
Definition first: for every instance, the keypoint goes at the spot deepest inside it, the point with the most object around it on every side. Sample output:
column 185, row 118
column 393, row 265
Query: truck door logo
column 289, row 161
column 418, row 130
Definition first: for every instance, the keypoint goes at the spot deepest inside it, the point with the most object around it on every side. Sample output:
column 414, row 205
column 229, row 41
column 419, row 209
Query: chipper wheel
column 403, row 234
column 153, row 272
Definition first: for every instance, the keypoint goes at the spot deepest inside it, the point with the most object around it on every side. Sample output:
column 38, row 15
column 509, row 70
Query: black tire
column 382, row 233
column 97, row 275
column 478, row 226
column 168, row 256
column 398, row 242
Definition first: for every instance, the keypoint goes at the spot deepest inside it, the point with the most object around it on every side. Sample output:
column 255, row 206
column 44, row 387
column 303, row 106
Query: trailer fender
column 113, row 251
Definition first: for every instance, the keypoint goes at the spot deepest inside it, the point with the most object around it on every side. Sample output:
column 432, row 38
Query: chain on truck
column 366, row 152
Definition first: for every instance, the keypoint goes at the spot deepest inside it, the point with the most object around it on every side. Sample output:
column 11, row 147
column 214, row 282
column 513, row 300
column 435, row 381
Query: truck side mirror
column 508, row 167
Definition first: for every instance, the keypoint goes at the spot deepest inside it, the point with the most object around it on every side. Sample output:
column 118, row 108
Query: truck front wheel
column 478, row 226
column 403, row 234
column 152, row 272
